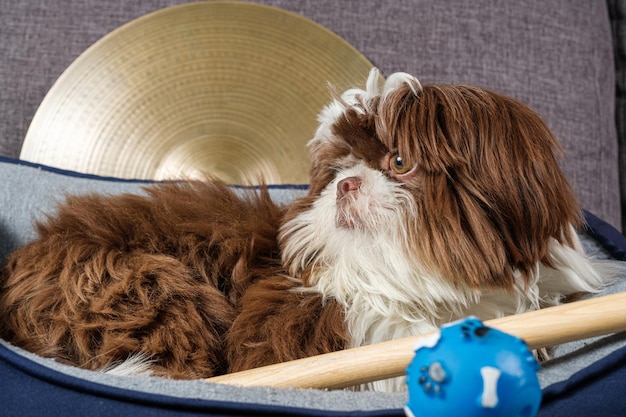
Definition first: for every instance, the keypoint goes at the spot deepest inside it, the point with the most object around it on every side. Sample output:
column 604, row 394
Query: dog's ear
column 490, row 192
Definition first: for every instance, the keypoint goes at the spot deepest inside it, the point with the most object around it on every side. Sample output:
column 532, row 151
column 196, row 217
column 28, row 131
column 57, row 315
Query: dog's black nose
column 347, row 185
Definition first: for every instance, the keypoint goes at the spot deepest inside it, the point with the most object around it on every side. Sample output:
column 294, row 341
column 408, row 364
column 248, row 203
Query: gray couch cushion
column 556, row 55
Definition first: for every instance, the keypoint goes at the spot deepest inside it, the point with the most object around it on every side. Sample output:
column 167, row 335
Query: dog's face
column 457, row 181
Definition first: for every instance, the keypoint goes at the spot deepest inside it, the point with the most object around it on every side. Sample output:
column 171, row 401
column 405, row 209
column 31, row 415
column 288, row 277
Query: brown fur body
column 425, row 205
column 163, row 275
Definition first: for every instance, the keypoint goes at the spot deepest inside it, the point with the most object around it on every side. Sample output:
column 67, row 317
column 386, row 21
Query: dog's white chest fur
column 386, row 296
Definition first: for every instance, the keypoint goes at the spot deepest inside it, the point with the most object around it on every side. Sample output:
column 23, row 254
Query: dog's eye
column 398, row 165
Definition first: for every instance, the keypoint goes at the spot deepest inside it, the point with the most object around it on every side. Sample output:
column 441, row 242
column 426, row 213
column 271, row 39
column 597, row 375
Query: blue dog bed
column 586, row 378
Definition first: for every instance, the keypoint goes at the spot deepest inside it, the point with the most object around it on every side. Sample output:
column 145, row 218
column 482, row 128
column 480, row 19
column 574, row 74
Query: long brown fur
column 161, row 274
column 496, row 189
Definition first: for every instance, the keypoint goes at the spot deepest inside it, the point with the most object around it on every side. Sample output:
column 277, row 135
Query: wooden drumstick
column 542, row 328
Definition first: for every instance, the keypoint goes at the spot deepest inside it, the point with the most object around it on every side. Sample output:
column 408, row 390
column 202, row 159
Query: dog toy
column 470, row 369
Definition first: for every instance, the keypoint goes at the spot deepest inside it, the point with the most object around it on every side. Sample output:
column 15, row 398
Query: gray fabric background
column 556, row 55
column 617, row 13
column 33, row 192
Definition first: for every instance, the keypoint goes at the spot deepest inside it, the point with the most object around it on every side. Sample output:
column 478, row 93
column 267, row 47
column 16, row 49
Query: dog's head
column 464, row 181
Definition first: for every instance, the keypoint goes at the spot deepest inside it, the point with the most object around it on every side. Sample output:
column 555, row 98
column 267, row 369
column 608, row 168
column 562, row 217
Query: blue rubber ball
column 470, row 370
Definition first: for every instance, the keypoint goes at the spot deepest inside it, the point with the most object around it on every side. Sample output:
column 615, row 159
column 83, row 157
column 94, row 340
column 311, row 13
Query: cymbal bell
column 229, row 89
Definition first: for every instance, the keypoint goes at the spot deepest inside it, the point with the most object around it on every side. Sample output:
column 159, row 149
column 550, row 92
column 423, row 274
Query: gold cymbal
column 230, row 89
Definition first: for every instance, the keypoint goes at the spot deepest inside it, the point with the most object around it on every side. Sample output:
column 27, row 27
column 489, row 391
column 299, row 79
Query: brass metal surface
column 225, row 88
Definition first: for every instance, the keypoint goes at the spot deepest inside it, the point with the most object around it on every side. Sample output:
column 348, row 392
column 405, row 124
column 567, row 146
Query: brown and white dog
column 426, row 204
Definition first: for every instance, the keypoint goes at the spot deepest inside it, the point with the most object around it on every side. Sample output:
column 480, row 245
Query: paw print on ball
column 432, row 378
column 473, row 328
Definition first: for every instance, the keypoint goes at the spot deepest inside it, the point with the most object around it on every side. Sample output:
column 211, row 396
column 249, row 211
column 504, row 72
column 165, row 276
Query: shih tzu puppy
column 426, row 204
